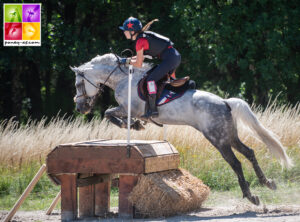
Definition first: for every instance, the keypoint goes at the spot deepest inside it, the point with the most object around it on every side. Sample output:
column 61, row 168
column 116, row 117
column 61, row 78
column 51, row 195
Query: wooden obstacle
column 90, row 166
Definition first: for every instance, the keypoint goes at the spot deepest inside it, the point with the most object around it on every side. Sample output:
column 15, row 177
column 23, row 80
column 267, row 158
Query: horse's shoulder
column 121, row 86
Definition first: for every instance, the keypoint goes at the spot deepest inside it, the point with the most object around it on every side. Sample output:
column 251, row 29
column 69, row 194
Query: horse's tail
column 241, row 110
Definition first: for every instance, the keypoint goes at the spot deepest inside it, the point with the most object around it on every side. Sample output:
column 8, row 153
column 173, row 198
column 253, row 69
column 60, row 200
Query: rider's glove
column 125, row 61
column 148, row 57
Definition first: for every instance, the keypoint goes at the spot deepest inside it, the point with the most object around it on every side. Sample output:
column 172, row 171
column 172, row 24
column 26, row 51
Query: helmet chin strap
column 132, row 35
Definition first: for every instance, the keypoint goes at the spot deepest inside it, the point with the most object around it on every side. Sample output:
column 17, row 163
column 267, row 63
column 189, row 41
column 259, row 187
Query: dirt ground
column 237, row 213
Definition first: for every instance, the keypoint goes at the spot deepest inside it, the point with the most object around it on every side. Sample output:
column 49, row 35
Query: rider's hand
column 125, row 61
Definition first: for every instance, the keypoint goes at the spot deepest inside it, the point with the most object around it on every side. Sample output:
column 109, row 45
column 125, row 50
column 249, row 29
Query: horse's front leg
column 118, row 116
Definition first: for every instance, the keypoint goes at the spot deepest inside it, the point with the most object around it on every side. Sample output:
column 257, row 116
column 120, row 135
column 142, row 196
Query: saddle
column 168, row 83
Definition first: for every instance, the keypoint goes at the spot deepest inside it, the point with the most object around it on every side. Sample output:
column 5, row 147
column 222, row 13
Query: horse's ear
column 73, row 68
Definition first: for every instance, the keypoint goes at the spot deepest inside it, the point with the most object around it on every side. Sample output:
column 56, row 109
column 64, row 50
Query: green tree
column 247, row 48
column 244, row 48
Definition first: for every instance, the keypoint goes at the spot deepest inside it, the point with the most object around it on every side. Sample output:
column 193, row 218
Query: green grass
column 286, row 194
column 23, row 149
column 114, row 197
column 14, row 181
column 219, row 177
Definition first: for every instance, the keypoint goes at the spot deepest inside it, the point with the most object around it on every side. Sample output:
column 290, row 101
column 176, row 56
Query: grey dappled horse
column 215, row 117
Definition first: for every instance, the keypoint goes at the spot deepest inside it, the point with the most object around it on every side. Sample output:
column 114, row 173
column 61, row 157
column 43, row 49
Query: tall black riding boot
column 151, row 109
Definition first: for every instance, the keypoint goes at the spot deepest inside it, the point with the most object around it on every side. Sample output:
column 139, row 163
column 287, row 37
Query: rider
column 155, row 45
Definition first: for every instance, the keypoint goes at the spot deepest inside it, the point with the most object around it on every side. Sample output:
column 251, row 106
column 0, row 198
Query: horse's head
column 87, row 90
column 90, row 75
column 104, row 70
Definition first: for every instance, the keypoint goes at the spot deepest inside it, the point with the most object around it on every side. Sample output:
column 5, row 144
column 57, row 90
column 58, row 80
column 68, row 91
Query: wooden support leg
column 126, row 184
column 68, row 196
column 102, row 198
column 87, row 201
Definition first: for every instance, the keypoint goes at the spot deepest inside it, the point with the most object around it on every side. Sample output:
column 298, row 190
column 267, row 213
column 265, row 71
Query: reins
column 101, row 88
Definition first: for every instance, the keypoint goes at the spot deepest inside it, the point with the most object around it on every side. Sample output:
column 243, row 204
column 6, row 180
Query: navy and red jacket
column 152, row 43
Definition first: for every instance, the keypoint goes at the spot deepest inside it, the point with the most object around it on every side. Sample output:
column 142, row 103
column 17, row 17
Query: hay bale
column 168, row 193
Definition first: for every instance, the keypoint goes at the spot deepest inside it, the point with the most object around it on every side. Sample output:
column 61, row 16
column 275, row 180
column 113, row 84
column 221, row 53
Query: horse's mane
column 107, row 60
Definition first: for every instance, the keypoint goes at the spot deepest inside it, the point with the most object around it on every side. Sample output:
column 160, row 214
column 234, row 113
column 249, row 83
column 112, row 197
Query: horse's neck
column 112, row 77
column 121, row 76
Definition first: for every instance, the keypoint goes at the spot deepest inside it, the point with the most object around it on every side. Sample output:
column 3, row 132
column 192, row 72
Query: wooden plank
column 25, row 193
column 105, row 166
column 146, row 150
column 87, row 201
column 115, row 143
column 82, row 182
column 68, row 196
column 124, row 142
column 126, row 184
column 54, row 203
column 161, row 163
column 106, row 160
column 102, row 198
column 82, row 142
column 91, row 151
column 157, row 149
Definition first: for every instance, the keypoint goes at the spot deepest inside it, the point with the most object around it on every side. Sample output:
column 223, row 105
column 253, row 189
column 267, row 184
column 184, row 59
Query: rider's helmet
column 132, row 24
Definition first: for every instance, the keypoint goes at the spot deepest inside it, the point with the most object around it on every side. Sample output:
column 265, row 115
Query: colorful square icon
column 31, row 13
column 13, row 31
column 13, row 12
column 31, row 31
column 22, row 24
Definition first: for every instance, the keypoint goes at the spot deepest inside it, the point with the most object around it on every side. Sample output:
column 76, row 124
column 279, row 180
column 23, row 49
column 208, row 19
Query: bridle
column 90, row 100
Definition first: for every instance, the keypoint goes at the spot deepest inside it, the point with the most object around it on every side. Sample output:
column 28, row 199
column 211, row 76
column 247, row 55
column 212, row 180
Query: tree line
column 246, row 49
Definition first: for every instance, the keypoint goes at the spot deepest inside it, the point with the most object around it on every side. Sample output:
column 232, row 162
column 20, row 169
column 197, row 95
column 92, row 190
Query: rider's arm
column 139, row 59
column 141, row 45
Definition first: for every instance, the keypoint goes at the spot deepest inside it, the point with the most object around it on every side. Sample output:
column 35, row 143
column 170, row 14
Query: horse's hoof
column 271, row 184
column 254, row 200
column 137, row 126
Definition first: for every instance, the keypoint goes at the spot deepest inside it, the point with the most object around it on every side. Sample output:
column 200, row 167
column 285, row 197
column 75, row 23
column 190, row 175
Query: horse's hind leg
column 228, row 155
column 249, row 154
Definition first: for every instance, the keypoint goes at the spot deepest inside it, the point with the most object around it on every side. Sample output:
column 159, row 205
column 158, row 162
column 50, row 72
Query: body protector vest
column 157, row 43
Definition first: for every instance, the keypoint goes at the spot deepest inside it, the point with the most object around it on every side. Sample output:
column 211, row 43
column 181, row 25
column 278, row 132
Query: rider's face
column 127, row 34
